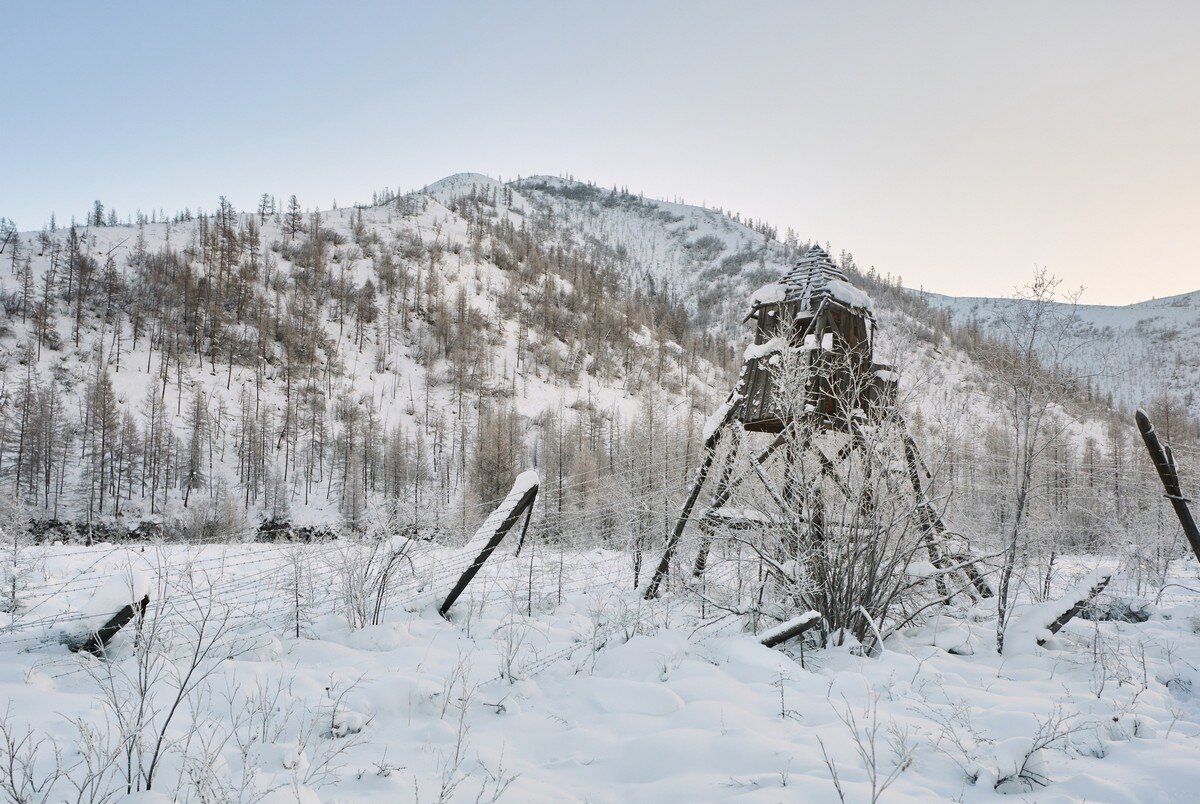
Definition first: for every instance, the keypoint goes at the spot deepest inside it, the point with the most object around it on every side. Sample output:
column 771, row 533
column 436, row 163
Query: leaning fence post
column 493, row 531
column 1080, row 603
column 98, row 641
column 1164, row 462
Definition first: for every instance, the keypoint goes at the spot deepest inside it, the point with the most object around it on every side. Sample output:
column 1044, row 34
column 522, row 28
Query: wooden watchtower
column 813, row 313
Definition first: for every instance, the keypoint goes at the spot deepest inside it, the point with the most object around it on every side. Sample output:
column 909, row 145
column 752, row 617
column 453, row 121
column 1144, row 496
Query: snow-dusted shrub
column 151, row 683
column 868, row 735
column 209, row 520
column 368, row 563
column 30, row 764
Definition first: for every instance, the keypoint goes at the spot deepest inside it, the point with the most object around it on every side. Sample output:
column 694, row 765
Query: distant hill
column 1134, row 351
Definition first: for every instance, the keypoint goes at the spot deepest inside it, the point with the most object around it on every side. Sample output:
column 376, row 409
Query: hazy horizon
column 955, row 146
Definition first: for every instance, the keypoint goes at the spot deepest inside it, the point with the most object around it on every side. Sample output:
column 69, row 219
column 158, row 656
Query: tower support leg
column 685, row 513
column 725, row 488
column 931, row 520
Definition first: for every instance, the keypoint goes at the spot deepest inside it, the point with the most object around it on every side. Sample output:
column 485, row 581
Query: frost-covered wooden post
column 98, row 640
column 493, row 530
column 1164, row 462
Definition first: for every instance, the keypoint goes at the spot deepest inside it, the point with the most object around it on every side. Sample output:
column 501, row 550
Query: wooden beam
column 685, row 513
column 1077, row 607
column 790, row 629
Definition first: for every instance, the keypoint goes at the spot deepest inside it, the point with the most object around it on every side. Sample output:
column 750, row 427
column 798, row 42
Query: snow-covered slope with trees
column 218, row 371
column 1134, row 352
column 286, row 365
column 952, row 375
column 708, row 261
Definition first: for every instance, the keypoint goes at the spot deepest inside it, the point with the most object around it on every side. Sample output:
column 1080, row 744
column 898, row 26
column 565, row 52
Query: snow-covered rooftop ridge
column 815, row 274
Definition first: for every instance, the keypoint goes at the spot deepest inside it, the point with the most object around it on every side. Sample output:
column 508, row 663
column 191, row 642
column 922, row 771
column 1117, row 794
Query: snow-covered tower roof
column 814, row 268
column 815, row 275
column 813, row 278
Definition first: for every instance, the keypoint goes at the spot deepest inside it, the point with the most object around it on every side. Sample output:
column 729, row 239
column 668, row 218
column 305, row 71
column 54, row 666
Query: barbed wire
column 245, row 579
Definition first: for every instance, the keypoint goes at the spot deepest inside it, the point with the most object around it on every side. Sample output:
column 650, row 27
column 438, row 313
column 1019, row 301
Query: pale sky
column 956, row 144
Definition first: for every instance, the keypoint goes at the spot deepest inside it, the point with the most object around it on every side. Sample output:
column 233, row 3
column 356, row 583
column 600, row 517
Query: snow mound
column 847, row 293
column 760, row 350
column 770, row 293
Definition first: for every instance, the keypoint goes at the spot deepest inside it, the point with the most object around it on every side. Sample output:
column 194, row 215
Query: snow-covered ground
column 554, row 681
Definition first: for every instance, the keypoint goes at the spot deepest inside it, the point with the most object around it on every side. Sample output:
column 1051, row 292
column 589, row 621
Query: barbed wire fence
column 589, row 544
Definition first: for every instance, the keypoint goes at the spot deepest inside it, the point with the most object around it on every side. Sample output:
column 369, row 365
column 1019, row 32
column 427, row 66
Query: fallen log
column 1046, row 619
column 1097, row 586
column 790, row 629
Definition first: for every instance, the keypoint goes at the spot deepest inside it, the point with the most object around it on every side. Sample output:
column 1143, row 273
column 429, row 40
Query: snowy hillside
column 310, row 366
column 1135, row 351
column 708, row 261
column 711, row 263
